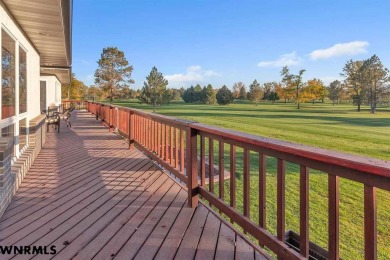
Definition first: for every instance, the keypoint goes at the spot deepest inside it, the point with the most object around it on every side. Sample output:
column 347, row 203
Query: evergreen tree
column 224, row 96
column 255, row 92
column 113, row 72
column 153, row 91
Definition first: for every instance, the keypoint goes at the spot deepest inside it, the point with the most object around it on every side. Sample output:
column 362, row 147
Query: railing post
column 130, row 129
column 192, row 167
column 97, row 111
column 109, row 118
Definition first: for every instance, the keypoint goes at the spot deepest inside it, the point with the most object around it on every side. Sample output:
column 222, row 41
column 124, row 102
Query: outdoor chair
column 52, row 118
column 66, row 115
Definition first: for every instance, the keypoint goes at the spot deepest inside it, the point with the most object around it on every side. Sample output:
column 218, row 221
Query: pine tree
column 153, row 91
column 113, row 72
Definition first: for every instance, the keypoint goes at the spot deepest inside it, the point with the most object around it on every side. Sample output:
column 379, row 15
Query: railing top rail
column 355, row 162
column 167, row 119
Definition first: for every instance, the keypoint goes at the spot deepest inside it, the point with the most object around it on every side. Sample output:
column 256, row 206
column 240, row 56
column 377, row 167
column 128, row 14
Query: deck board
column 91, row 197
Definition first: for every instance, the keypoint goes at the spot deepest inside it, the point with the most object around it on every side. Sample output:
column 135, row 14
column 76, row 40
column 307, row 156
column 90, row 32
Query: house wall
column 19, row 149
column 33, row 62
column 53, row 90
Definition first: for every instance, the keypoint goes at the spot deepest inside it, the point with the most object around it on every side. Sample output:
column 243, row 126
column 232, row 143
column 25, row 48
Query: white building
column 36, row 59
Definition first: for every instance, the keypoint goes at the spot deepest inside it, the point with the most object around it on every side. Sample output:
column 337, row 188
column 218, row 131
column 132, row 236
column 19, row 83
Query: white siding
column 53, row 87
column 8, row 25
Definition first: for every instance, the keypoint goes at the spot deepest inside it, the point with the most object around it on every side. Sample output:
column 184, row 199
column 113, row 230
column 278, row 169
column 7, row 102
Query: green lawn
column 321, row 125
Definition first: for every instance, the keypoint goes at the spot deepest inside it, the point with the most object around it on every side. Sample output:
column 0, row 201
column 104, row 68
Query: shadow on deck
column 91, row 197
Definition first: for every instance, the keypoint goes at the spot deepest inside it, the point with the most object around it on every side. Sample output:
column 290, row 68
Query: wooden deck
column 91, row 197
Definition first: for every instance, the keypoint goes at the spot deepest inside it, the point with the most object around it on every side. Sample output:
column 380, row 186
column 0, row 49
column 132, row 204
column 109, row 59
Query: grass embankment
column 322, row 125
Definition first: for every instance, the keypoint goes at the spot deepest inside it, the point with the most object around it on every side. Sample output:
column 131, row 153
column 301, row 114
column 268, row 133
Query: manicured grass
column 321, row 125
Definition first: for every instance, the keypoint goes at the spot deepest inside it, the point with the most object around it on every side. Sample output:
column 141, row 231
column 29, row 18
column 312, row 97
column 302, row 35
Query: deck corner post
column 192, row 167
column 109, row 118
column 131, row 129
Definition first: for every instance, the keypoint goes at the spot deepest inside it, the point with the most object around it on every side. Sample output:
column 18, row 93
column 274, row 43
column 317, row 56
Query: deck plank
column 90, row 196
column 208, row 241
column 226, row 243
column 151, row 246
column 189, row 244
column 243, row 249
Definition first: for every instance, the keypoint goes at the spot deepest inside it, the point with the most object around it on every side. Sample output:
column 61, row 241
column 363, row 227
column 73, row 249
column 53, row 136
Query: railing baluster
column 281, row 186
column 232, row 176
column 262, row 190
column 182, row 166
column 176, row 148
column 246, row 178
column 171, row 146
column 370, row 223
column 211, row 165
column 162, row 141
column 333, row 209
column 159, row 139
column 202, row 161
column 146, row 123
column 136, row 125
column 304, row 211
column 150, row 134
column 155, row 143
column 221, row 168
column 166, row 143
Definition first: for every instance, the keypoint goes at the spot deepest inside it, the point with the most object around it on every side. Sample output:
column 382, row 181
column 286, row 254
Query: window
column 9, row 132
column 8, row 75
column 22, row 81
column 22, row 133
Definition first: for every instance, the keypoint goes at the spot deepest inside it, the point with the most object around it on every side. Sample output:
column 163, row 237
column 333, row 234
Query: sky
column 223, row 42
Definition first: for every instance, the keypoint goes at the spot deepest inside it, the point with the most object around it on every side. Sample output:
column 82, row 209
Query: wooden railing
column 77, row 104
column 187, row 150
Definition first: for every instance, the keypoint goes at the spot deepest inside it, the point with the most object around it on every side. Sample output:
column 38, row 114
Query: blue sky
column 222, row 42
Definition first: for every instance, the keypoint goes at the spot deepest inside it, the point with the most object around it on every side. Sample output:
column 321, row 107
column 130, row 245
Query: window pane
column 22, row 133
column 22, row 81
column 8, row 75
column 9, row 132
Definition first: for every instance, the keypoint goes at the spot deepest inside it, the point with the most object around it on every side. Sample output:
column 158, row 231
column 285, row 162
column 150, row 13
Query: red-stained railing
column 187, row 150
column 77, row 104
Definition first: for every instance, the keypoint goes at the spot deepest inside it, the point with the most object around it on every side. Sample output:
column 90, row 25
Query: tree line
column 366, row 82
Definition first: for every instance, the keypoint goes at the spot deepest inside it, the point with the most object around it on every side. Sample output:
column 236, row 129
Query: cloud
column 85, row 62
column 289, row 59
column 193, row 74
column 340, row 49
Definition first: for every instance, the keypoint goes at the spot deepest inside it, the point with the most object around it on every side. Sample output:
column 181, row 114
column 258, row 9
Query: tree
column 270, row 91
column 314, row 90
column 242, row 93
column 198, row 94
column 75, row 90
column 255, row 92
column 336, row 91
column 154, row 89
column 293, row 80
column 113, row 72
column 189, row 95
column 237, row 89
column 285, row 92
column 208, row 95
column 354, row 80
column 376, row 78
column 224, row 96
